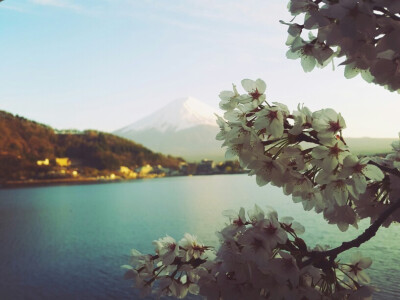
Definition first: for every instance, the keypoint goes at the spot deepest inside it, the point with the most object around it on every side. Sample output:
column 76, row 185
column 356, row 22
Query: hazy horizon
column 116, row 129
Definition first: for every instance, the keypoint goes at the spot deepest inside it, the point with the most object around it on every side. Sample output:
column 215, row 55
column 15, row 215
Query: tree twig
column 365, row 236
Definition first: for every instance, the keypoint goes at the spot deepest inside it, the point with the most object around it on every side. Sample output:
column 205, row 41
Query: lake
column 68, row 242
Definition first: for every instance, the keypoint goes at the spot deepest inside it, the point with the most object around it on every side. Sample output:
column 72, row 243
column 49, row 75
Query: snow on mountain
column 178, row 115
column 185, row 127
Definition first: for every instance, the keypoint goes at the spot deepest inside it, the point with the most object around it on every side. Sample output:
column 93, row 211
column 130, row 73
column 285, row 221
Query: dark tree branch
column 370, row 232
column 386, row 13
column 299, row 138
column 270, row 142
column 305, row 138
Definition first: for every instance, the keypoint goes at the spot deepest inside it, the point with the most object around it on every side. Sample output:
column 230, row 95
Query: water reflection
column 69, row 241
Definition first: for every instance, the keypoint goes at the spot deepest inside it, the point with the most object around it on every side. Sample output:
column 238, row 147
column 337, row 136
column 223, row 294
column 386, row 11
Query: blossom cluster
column 305, row 154
column 365, row 33
column 260, row 257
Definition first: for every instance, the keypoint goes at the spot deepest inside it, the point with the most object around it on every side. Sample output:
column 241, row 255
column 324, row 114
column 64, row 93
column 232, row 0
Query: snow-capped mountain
column 185, row 127
column 178, row 115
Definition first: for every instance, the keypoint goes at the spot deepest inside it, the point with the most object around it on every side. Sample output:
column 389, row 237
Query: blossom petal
column 350, row 160
column 231, row 154
column 276, row 128
column 341, row 195
column 249, row 85
column 226, row 95
column 363, row 277
column 329, row 163
column 281, row 236
column 261, row 86
column 308, row 63
column 373, row 172
column 319, row 152
column 365, row 262
column 360, row 183
column 261, row 179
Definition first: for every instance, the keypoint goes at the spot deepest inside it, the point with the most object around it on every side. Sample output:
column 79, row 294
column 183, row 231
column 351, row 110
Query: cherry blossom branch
column 300, row 138
column 319, row 54
column 364, row 237
column 381, row 9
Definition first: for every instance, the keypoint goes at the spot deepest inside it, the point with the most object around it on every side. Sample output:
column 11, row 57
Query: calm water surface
column 68, row 242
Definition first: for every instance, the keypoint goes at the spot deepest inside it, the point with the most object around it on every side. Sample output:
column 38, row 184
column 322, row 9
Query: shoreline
column 53, row 182
column 83, row 181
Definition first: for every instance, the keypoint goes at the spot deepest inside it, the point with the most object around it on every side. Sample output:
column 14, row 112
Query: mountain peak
column 180, row 114
column 183, row 100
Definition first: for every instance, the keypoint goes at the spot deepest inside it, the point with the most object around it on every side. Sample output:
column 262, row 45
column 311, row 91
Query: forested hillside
column 23, row 142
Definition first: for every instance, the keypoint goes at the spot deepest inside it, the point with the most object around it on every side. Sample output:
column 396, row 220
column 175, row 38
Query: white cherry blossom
column 237, row 222
column 272, row 232
column 223, row 127
column 311, row 199
column 271, row 120
column 327, row 123
column 330, row 156
column 292, row 226
column 256, row 247
column 297, row 184
column 267, row 170
column 191, row 247
column 360, row 170
column 302, row 120
column 285, row 269
column 356, row 268
column 255, row 96
column 256, row 215
column 292, row 158
column 229, row 99
column 167, row 248
column 338, row 191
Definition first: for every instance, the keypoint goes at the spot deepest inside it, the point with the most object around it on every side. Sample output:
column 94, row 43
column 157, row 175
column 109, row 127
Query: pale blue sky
column 104, row 64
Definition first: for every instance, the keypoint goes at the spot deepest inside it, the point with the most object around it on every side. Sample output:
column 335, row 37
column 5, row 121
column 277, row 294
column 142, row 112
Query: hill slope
column 370, row 146
column 23, row 142
column 28, row 139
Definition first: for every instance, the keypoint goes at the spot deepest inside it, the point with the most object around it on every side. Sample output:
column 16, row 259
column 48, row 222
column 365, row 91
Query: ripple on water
column 68, row 242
